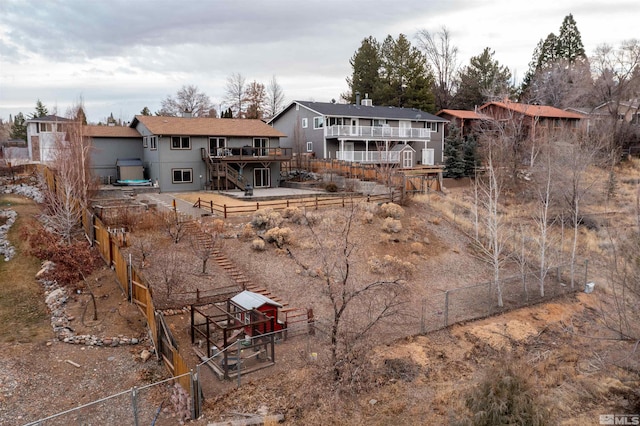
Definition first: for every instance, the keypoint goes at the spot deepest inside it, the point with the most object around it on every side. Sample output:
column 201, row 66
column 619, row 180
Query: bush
column 266, row 218
column 278, row 236
column 391, row 265
column 367, row 217
column 331, row 187
column 505, row 396
column 391, row 225
column 391, row 210
column 248, row 231
column 258, row 244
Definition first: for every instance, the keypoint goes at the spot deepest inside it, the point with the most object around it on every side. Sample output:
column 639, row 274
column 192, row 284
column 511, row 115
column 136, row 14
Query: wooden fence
column 314, row 202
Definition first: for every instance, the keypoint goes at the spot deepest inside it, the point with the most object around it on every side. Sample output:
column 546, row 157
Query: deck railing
column 377, row 132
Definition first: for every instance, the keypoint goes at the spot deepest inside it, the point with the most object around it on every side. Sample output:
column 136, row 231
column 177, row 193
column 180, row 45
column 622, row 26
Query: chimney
column 366, row 101
column 357, row 98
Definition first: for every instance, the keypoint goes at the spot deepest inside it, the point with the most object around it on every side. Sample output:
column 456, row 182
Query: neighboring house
column 110, row 144
column 42, row 135
column 362, row 133
column 628, row 111
column 467, row 121
column 190, row 154
column 532, row 120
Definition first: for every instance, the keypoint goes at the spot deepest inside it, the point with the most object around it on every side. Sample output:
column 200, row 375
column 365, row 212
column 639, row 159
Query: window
column 180, row 142
column 153, row 142
column 182, row 175
column 336, row 121
column 432, row 126
column 305, row 123
column 379, row 123
column 318, row 122
column 48, row 127
column 145, row 141
column 217, row 147
column 263, row 144
column 309, row 146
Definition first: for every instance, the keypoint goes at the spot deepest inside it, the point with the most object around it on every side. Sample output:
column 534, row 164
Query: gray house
column 362, row 133
column 110, row 144
column 190, row 154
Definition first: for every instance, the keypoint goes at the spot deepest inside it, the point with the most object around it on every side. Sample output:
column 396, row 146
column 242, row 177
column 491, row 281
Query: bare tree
column 235, row 94
column 187, row 100
column 170, row 269
column 492, row 243
column 205, row 243
column 442, row 56
column 358, row 307
column 541, row 218
column 275, row 97
column 256, row 99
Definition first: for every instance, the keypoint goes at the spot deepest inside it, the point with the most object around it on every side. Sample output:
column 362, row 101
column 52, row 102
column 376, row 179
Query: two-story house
column 190, row 154
column 43, row 134
column 362, row 133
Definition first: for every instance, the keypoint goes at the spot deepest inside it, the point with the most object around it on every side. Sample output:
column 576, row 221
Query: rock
column 54, row 296
column 41, row 273
column 373, row 401
column 145, row 355
column 134, row 341
column 107, row 342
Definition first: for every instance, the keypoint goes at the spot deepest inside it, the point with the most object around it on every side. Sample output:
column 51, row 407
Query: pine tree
column 41, row 110
column 365, row 78
column 470, row 155
column 454, row 165
column 483, row 79
column 145, row 111
column 569, row 42
column 19, row 127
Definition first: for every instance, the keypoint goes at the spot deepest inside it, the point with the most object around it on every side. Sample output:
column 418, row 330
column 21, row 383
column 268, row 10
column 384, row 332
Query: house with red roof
column 532, row 120
column 467, row 121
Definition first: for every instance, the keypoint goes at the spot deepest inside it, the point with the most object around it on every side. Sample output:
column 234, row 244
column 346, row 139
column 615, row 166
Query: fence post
column 258, row 206
column 316, row 202
column 129, row 279
column 211, row 205
column 446, row 308
column 423, row 313
column 134, row 405
column 225, row 211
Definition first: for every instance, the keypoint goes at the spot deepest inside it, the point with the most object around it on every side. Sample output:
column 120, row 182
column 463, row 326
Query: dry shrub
column 417, row 248
column 391, row 226
column 278, row 236
column 367, row 217
column 266, row 219
column 404, row 369
column 290, row 212
column 258, row 244
column 506, row 395
column 391, row 265
column 391, row 210
column 248, row 232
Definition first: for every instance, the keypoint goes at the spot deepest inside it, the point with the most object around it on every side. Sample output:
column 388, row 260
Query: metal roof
column 250, row 300
column 365, row 111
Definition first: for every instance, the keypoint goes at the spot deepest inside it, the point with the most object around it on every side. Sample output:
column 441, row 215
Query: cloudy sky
column 119, row 56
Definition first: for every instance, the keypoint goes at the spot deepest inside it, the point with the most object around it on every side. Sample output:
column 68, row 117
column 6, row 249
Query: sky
column 118, row 56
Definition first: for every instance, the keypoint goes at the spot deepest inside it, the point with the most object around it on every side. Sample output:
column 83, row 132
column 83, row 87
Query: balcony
column 376, row 157
column 248, row 154
column 377, row 132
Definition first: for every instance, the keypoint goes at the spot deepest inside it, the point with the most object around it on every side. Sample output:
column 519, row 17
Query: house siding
column 105, row 151
column 287, row 123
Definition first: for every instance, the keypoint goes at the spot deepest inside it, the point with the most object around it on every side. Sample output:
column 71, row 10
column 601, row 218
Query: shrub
column 391, row 210
column 258, row 244
column 505, row 395
column 391, row 225
column 278, row 236
column 391, row 265
column 248, row 231
column 367, row 217
column 331, row 187
column 417, row 248
column 266, row 218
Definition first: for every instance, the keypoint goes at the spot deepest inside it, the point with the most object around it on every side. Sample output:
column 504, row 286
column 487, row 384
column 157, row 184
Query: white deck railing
column 376, row 132
column 369, row 156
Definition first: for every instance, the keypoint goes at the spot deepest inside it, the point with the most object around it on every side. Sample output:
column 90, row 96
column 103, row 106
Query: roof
column 364, row 111
column 250, row 300
column 197, row 126
column 534, row 110
column 111, row 132
column 128, row 162
column 48, row 119
column 462, row 113
column 402, row 147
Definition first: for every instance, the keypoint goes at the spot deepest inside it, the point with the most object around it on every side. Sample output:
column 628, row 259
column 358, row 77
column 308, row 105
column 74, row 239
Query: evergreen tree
column 80, row 116
column 41, row 110
column 483, row 79
column 365, row 78
column 454, row 165
column 145, row 111
column 569, row 42
column 19, row 127
column 470, row 155
column 406, row 79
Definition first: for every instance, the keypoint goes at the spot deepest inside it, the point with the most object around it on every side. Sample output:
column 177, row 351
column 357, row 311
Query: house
column 190, row 154
column 532, row 120
column 108, row 145
column 362, row 133
column 42, row 135
column 247, row 301
column 627, row 111
column 467, row 121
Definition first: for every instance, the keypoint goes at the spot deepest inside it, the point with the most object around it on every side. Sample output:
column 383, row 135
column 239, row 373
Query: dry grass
column 23, row 314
